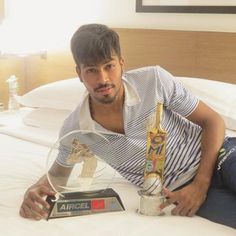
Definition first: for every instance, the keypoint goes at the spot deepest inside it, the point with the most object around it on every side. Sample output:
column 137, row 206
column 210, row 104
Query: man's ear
column 122, row 63
column 78, row 71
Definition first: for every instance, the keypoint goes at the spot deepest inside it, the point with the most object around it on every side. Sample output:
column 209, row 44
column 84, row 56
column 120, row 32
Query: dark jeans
column 220, row 205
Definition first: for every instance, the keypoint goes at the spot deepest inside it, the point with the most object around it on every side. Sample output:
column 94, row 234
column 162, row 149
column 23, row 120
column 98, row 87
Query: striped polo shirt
column 144, row 88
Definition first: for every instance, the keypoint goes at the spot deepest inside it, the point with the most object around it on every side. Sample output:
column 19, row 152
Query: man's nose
column 102, row 76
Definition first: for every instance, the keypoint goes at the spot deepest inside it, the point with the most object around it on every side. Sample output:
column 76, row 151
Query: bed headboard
column 210, row 55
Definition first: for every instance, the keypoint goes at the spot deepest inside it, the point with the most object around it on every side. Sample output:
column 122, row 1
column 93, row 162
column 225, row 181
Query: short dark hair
column 92, row 44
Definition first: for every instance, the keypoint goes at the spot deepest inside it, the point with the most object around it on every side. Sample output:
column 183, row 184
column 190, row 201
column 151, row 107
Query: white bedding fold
column 12, row 124
column 41, row 136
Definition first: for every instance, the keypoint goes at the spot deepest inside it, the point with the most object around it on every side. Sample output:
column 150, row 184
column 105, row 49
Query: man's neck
column 105, row 109
column 110, row 116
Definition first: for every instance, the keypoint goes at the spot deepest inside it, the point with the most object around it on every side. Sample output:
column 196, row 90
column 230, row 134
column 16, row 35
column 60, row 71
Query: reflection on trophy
column 151, row 193
column 81, row 153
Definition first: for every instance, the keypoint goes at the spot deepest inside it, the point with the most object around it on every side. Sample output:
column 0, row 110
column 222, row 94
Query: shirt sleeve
column 176, row 97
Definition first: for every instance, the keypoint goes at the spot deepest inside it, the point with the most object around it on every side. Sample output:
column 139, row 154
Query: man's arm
column 213, row 134
column 34, row 205
column 191, row 197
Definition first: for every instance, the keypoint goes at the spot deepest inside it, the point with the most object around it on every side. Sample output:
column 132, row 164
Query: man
column 118, row 105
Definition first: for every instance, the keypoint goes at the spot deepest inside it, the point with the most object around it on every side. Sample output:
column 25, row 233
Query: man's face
column 103, row 81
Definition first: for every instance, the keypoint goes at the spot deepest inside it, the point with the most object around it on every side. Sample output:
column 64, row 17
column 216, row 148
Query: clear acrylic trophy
column 84, row 188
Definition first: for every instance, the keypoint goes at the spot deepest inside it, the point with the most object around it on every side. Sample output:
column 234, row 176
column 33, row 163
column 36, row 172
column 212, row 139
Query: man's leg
column 225, row 173
column 220, row 205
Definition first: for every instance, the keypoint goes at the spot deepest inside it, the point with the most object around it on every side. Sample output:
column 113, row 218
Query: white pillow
column 66, row 95
column 63, row 94
column 218, row 95
column 46, row 118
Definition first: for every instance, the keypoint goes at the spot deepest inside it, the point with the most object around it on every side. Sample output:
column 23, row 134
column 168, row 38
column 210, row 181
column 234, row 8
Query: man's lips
column 104, row 91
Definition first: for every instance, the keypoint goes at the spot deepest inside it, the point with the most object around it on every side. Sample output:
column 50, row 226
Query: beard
column 108, row 99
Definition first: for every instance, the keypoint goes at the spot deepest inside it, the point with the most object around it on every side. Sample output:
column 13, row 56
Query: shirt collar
column 131, row 96
column 85, row 120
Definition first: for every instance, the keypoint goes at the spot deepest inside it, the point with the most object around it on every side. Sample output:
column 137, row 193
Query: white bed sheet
column 23, row 162
column 12, row 124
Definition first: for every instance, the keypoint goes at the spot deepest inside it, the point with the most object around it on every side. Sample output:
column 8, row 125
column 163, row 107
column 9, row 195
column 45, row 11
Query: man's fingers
column 23, row 213
column 27, row 212
column 176, row 211
column 34, row 206
column 187, row 200
column 165, row 204
column 184, row 209
column 167, row 193
column 171, row 197
column 36, row 209
column 43, row 191
column 193, row 211
column 181, row 210
column 36, row 197
column 40, row 200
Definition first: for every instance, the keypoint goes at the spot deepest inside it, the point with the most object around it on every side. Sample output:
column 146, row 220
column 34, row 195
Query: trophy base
column 149, row 205
column 84, row 203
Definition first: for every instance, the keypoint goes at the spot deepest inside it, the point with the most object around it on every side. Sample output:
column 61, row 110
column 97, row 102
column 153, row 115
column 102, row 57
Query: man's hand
column 34, row 206
column 188, row 199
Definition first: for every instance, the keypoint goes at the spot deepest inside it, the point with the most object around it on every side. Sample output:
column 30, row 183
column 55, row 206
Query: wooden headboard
column 210, row 55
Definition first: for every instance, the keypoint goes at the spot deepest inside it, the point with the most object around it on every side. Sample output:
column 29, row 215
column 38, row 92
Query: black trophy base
column 84, row 203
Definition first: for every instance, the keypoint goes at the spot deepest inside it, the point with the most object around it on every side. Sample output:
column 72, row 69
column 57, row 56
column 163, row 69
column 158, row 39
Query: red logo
column 97, row 204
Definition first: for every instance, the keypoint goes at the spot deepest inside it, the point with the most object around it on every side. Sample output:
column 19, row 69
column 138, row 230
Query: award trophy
column 151, row 193
column 82, row 181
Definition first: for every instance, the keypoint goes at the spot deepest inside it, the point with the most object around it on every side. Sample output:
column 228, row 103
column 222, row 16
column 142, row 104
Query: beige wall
column 122, row 14
column 59, row 24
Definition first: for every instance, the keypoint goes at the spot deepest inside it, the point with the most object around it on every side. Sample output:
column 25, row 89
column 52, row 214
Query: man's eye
column 91, row 70
column 110, row 66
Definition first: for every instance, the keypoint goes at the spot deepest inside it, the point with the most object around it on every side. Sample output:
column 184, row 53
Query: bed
column 27, row 135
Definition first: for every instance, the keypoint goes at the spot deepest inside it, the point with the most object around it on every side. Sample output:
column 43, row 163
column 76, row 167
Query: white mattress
column 23, row 152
